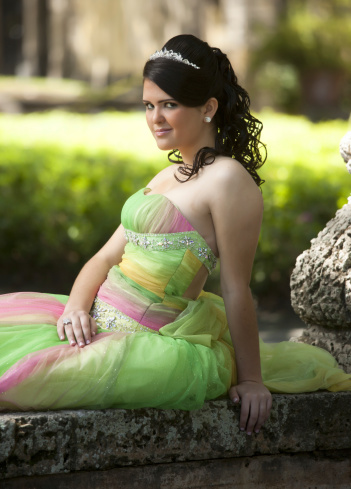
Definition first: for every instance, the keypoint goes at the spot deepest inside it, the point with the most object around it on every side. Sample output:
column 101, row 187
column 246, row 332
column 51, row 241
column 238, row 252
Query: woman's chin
column 163, row 146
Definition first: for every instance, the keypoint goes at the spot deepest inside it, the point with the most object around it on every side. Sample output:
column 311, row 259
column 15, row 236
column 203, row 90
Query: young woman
column 137, row 329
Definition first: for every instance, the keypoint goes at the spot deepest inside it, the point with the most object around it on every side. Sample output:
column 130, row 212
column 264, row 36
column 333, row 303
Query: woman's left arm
column 236, row 207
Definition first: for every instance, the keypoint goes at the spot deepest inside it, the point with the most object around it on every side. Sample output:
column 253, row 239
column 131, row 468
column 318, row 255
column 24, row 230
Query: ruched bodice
column 163, row 255
column 149, row 218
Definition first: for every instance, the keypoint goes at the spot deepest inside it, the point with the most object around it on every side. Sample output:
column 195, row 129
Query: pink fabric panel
column 29, row 307
column 30, row 363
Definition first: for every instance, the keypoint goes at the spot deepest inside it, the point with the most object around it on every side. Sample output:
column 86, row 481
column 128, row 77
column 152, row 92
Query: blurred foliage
column 312, row 36
column 306, row 181
column 279, row 85
column 64, row 178
column 63, row 181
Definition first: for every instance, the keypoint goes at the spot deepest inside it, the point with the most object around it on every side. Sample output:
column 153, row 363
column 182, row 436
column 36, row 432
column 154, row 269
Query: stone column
column 1, row 40
column 30, row 38
column 57, row 37
column 321, row 282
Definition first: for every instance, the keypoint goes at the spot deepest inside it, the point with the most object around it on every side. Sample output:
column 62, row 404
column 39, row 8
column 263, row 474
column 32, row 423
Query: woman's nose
column 157, row 115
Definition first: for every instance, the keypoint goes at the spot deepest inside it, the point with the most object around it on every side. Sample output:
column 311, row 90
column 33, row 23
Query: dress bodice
column 155, row 223
column 163, row 255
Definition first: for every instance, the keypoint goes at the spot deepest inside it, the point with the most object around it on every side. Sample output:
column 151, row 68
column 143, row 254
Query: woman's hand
column 79, row 327
column 256, row 403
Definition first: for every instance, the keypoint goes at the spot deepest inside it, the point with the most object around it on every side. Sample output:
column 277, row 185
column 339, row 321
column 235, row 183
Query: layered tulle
column 154, row 347
column 179, row 368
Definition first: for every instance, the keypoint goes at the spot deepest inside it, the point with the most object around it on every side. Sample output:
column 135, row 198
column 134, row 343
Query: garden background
column 74, row 144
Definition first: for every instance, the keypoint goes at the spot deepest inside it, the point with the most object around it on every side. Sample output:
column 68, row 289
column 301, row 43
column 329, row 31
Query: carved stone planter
column 321, row 283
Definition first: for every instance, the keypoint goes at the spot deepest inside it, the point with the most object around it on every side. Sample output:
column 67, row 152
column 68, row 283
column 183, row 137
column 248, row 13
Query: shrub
column 58, row 209
column 306, row 53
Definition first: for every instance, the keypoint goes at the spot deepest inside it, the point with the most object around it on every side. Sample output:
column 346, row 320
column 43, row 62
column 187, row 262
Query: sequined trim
column 109, row 318
column 175, row 241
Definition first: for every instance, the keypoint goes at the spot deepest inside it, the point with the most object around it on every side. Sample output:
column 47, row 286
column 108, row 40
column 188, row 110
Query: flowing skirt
column 190, row 361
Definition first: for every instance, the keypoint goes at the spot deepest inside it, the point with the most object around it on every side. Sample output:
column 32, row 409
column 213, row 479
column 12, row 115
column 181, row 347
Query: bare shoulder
column 236, row 207
column 230, row 182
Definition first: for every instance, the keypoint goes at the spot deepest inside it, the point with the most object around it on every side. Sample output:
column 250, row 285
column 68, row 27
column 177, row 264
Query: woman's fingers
column 70, row 334
column 249, row 415
column 79, row 328
column 259, row 412
column 245, row 410
column 263, row 415
column 64, row 328
column 233, row 394
column 256, row 403
column 60, row 330
column 86, row 329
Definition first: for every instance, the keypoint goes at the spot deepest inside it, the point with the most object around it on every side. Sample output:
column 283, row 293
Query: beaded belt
column 175, row 241
column 109, row 318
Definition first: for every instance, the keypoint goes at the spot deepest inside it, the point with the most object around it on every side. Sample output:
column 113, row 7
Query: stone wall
column 306, row 443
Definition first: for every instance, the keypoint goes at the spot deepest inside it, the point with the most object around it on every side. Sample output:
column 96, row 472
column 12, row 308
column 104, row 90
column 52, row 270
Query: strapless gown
column 155, row 347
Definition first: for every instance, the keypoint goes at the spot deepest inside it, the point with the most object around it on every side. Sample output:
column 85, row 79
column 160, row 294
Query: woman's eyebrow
column 160, row 101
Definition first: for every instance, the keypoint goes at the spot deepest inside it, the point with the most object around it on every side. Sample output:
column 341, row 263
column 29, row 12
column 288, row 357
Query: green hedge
column 306, row 181
column 64, row 179
column 57, row 209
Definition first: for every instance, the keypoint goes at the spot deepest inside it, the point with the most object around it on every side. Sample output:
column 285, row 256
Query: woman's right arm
column 84, row 290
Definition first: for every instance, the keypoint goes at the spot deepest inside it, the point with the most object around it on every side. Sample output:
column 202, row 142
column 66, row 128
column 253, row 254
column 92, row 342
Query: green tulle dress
column 155, row 347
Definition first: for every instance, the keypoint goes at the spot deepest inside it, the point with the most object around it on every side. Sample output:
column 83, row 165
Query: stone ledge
column 300, row 470
column 47, row 443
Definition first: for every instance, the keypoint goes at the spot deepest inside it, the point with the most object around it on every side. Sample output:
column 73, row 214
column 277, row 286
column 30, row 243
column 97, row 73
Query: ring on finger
column 66, row 321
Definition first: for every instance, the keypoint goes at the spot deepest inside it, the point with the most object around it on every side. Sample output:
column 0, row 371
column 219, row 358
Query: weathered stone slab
column 65, row 441
column 305, row 470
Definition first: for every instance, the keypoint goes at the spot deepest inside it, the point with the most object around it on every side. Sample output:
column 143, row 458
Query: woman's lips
column 162, row 132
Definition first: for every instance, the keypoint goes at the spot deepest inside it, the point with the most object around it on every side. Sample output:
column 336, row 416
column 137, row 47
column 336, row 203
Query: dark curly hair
column 238, row 131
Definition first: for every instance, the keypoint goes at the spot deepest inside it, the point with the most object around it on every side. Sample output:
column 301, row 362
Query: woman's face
column 174, row 126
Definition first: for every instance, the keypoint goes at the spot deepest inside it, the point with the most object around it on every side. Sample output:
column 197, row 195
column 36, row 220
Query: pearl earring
column 207, row 119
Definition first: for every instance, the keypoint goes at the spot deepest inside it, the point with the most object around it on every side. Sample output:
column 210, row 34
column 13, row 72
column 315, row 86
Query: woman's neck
column 188, row 154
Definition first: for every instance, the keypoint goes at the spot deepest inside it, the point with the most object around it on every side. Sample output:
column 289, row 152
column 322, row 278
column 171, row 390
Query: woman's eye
column 167, row 105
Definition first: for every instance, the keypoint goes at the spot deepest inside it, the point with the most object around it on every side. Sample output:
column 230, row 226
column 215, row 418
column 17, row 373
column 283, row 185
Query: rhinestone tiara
column 164, row 53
